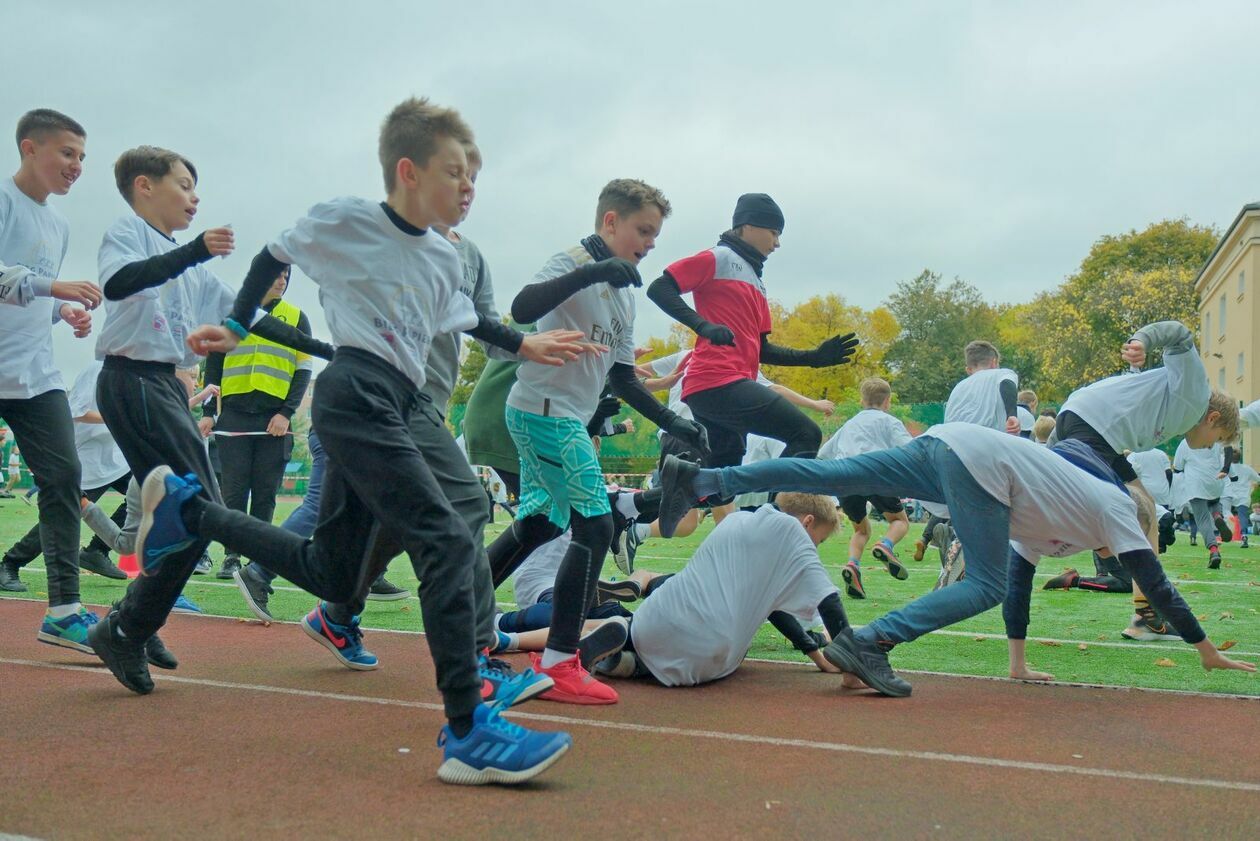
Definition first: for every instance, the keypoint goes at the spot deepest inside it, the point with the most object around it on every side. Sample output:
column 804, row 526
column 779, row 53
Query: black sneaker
column 383, row 591
column 231, row 563
column 255, row 590
column 126, row 658
column 603, row 642
column 1149, row 626
column 204, row 565
column 868, row 661
column 9, row 578
column 158, row 654
column 624, row 590
column 1065, row 580
column 677, row 494
column 94, row 560
column 1214, row 558
column 1223, row 529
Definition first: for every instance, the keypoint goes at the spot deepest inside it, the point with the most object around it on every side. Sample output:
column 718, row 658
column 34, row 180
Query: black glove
column 615, row 272
column 835, row 351
column 691, row 432
column 718, row 334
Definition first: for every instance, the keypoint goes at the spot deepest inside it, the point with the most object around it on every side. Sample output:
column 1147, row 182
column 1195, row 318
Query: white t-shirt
column 383, row 290
column 1250, row 414
column 977, row 399
column 697, row 626
column 100, row 457
column 605, row 316
column 1199, row 471
column 665, row 366
column 151, row 325
column 758, row 448
column 538, row 572
column 1056, row 508
column 33, row 242
column 1237, row 489
column 1026, row 419
column 868, row 431
column 1151, row 466
column 1140, row 411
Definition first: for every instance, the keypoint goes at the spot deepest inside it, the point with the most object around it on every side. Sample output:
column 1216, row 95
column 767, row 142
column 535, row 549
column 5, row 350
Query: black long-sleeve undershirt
column 833, row 616
column 156, row 270
column 772, row 354
column 538, row 299
column 627, row 386
column 497, row 333
column 1006, row 388
column 665, row 293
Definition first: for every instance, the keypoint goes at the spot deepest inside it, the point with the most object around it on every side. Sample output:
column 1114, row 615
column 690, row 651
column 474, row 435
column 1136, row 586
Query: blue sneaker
column 497, row 751
column 502, row 642
column 70, row 632
column 162, row 533
column 504, row 688
column 344, row 641
column 185, row 605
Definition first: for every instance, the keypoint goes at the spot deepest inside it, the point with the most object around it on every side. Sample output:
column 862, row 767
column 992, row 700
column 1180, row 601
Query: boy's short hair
column 874, row 392
column 41, row 122
column 823, row 508
column 979, row 352
column 1027, row 397
column 474, row 154
column 412, row 130
column 151, row 161
column 1042, row 427
column 624, row 196
column 1228, row 422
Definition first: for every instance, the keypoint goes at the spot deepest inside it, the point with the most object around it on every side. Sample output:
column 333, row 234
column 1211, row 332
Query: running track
column 260, row 733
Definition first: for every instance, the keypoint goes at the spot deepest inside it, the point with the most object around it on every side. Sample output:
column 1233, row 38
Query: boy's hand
column 220, row 242
column 79, row 319
column 1012, row 426
column 692, row 433
column 1134, row 353
column 556, row 347
column 717, row 334
column 278, row 426
column 1022, row 672
column 77, row 292
column 617, row 272
column 836, row 351
column 825, row 406
column 205, row 426
column 1211, row 659
column 823, row 664
column 212, row 338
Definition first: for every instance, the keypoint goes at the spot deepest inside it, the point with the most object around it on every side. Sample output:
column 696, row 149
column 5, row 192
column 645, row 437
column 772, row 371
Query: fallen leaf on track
column 1082, row 647
column 1165, row 662
column 1227, row 645
column 1051, row 643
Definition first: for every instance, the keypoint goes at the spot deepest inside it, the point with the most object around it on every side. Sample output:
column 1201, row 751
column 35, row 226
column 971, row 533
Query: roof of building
column 1247, row 208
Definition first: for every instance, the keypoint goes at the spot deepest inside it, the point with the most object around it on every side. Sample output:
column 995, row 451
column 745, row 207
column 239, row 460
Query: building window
column 1242, row 282
column 1220, row 379
column 1241, row 365
column 1220, row 317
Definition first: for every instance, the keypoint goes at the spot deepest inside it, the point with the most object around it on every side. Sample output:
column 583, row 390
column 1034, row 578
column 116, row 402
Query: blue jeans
column 926, row 469
column 305, row 517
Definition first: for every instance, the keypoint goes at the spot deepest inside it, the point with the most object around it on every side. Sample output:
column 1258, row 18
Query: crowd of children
column 400, row 288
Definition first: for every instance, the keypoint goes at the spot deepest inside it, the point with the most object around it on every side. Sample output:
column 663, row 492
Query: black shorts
column 1069, row 425
column 855, row 507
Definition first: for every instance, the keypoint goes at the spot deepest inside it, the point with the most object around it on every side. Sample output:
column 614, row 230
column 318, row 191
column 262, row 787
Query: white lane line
column 691, row 733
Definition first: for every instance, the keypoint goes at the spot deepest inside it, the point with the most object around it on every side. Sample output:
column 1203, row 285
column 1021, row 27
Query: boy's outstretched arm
column 834, row 351
column 538, row 299
column 1015, row 608
column 666, row 294
column 627, row 386
column 158, row 269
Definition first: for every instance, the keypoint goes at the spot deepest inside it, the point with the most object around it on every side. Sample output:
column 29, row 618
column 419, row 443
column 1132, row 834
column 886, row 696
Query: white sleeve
column 666, row 365
column 305, row 245
column 831, row 448
column 1250, row 414
column 120, row 246
column 82, row 396
column 898, row 433
column 625, row 350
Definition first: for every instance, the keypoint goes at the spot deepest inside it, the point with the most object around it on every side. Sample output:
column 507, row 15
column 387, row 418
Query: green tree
column 469, row 372
column 936, row 322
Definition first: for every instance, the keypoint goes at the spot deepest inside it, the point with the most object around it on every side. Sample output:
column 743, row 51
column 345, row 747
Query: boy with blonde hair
column 34, row 237
column 869, row 430
column 1026, row 410
column 388, row 287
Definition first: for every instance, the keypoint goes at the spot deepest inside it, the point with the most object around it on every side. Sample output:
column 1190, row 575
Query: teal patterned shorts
column 559, row 468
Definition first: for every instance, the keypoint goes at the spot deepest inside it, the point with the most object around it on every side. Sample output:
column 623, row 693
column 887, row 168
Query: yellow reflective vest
column 258, row 364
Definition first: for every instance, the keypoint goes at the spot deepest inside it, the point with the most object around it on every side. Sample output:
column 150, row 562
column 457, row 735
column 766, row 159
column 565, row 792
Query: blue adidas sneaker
column 497, row 751
column 505, row 688
column 344, row 641
column 161, row 532
column 185, row 605
column 70, row 631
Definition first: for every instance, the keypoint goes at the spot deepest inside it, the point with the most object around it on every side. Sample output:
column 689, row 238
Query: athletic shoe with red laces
column 574, row 684
column 853, row 581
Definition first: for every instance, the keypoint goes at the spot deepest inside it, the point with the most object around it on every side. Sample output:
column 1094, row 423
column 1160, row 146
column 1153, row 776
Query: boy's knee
column 595, row 532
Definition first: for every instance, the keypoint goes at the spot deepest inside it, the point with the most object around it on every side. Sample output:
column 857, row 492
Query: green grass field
column 1076, row 633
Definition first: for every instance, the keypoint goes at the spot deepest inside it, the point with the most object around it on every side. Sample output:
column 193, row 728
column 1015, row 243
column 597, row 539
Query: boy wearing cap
column 1022, row 501
column 731, row 320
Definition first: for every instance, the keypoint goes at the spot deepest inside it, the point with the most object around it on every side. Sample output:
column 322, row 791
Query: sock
column 887, row 544
column 61, row 611
column 706, row 484
column 507, row 642
column 551, row 657
column 642, row 531
column 625, row 505
column 461, row 725
column 857, row 562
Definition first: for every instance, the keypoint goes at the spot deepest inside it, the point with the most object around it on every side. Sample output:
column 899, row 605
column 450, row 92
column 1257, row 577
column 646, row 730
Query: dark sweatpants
column 253, row 465
column 44, row 431
column 146, row 409
column 379, row 499
column 31, row 546
column 729, row 412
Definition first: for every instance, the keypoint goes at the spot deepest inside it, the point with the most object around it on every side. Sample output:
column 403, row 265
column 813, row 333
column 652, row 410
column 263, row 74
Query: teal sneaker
column 185, row 605
column 70, row 632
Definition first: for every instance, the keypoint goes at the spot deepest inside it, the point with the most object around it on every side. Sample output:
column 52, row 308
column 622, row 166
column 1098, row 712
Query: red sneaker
column 574, row 684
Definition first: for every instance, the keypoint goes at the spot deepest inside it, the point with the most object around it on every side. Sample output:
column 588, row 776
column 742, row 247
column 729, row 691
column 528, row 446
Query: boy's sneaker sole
column 62, row 642
column 677, row 497
column 853, row 582
column 1223, row 529
column 603, row 642
column 895, row 568
column 457, row 773
column 619, row 591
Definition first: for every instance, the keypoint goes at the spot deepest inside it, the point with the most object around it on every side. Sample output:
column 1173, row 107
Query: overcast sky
column 993, row 141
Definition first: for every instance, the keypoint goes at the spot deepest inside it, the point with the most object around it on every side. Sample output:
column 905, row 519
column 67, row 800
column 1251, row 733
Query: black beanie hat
column 758, row 210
